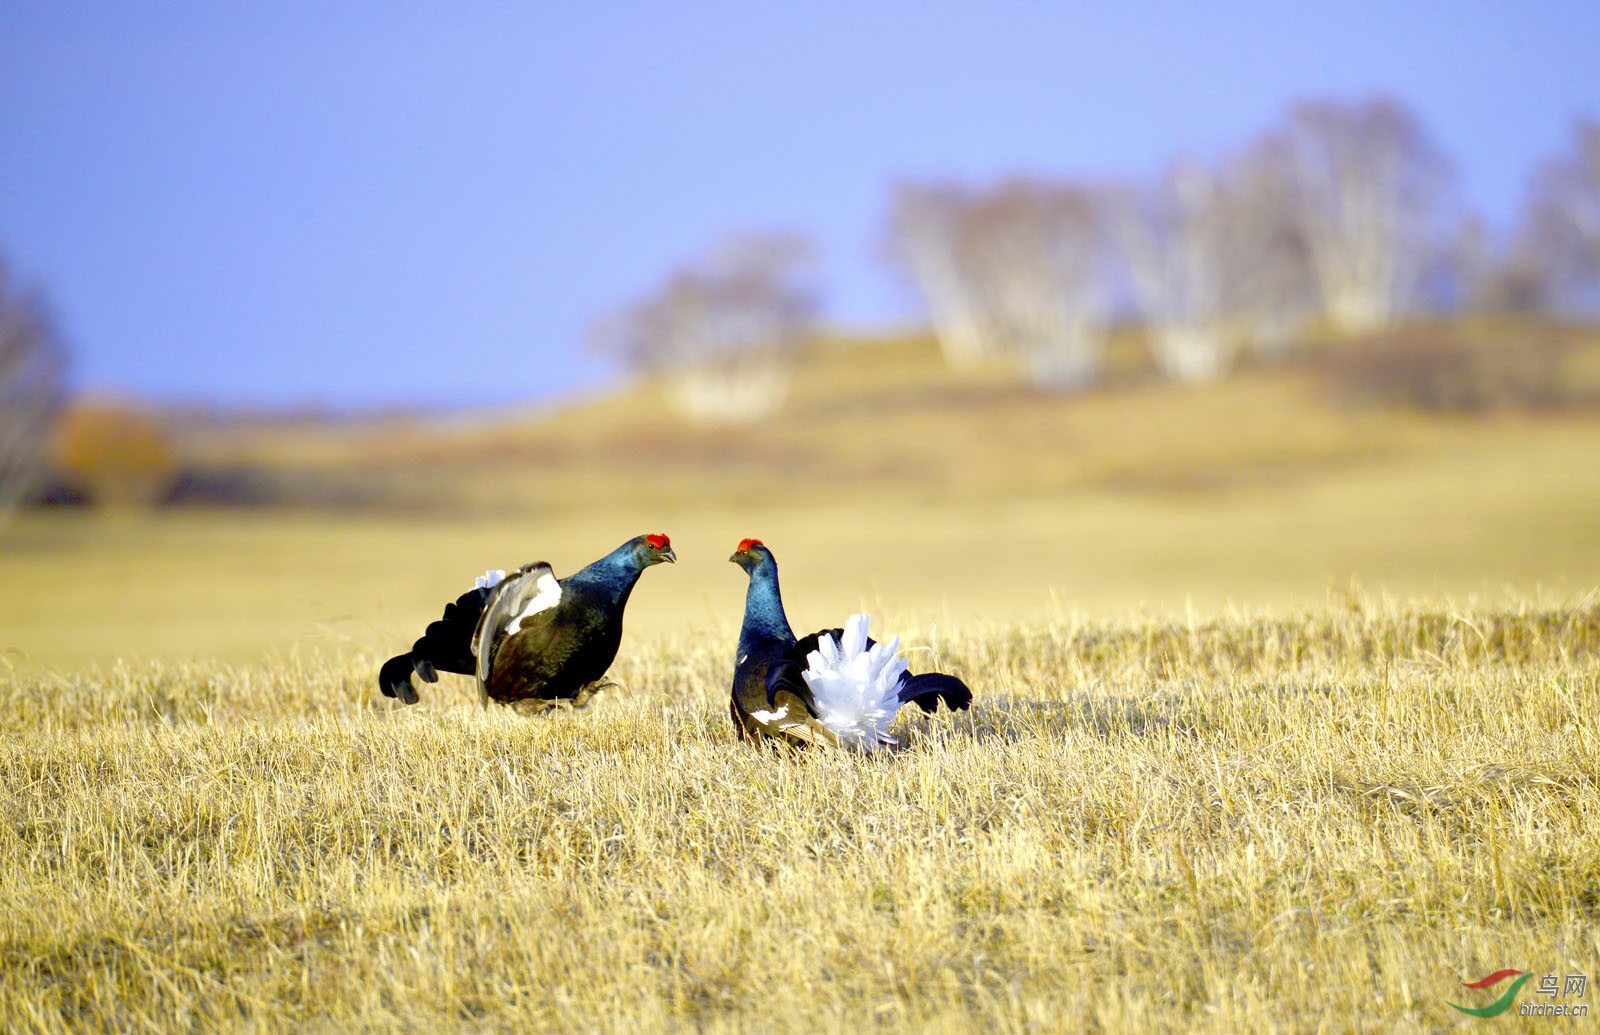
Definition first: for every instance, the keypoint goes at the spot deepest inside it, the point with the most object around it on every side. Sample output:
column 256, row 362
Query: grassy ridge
column 1313, row 821
column 882, row 417
column 1505, row 515
column 887, row 482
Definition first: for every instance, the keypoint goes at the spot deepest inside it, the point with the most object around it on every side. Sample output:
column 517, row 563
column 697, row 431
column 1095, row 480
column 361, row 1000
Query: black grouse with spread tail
column 530, row 636
column 837, row 686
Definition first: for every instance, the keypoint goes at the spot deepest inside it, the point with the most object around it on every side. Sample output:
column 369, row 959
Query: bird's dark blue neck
column 612, row 576
column 764, row 620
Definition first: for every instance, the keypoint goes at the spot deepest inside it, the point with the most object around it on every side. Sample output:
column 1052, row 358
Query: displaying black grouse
column 530, row 636
column 837, row 686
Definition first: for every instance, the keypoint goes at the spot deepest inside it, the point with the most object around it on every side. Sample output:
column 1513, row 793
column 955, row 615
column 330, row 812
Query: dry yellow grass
column 1273, row 814
column 1319, row 822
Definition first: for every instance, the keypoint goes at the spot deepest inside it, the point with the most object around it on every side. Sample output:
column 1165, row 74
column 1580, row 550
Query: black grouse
column 836, row 686
column 530, row 636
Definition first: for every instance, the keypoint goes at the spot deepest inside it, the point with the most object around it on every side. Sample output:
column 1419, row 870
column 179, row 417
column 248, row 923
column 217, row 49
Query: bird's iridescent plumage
column 836, row 686
column 529, row 636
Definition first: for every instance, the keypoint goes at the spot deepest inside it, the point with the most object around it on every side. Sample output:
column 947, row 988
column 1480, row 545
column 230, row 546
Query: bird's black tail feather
column 445, row 646
column 394, row 679
column 928, row 689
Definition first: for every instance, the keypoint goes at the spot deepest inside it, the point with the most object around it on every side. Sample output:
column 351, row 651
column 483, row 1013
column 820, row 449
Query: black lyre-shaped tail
column 927, row 690
column 445, row 646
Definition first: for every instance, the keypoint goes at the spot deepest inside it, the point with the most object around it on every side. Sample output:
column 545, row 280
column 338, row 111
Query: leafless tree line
column 1345, row 213
column 722, row 331
column 1554, row 259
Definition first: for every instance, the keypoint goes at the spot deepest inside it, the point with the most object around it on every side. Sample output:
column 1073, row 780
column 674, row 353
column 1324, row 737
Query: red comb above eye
column 660, row 542
column 745, row 544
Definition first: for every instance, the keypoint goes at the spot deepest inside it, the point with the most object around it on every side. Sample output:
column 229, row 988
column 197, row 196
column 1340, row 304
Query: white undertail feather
column 856, row 689
column 490, row 579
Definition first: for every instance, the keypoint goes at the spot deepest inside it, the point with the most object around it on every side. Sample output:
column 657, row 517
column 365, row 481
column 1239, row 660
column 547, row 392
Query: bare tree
column 1487, row 274
column 926, row 224
column 1370, row 191
column 32, row 375
column 1215, row 261
column 1175, row 239
column 721, row 333
column 1271, row 290
column 1558, row 243
column 1017, row 269
column 1038, row 252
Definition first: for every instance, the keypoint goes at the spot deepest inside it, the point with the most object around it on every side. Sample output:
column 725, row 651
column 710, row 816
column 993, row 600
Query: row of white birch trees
column 1344, row 213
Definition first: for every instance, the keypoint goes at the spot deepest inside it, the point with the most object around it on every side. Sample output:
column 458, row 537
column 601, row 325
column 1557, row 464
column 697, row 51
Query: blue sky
column 401, row 204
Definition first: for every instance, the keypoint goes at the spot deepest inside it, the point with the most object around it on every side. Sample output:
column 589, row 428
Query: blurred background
column 974, row 313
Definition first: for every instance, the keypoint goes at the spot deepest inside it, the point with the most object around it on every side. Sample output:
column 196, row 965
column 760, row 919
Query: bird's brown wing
column 790, row 713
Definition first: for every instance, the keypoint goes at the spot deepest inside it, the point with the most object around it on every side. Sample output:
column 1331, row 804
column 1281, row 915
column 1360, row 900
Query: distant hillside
column 879, row 416
column 1448, row 462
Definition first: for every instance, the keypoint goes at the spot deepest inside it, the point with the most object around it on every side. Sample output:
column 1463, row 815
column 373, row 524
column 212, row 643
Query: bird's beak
column 668, row 556
column 735, row 558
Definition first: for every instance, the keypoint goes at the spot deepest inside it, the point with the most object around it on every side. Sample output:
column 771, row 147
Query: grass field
column 1312, row 823
column 1286, row 720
